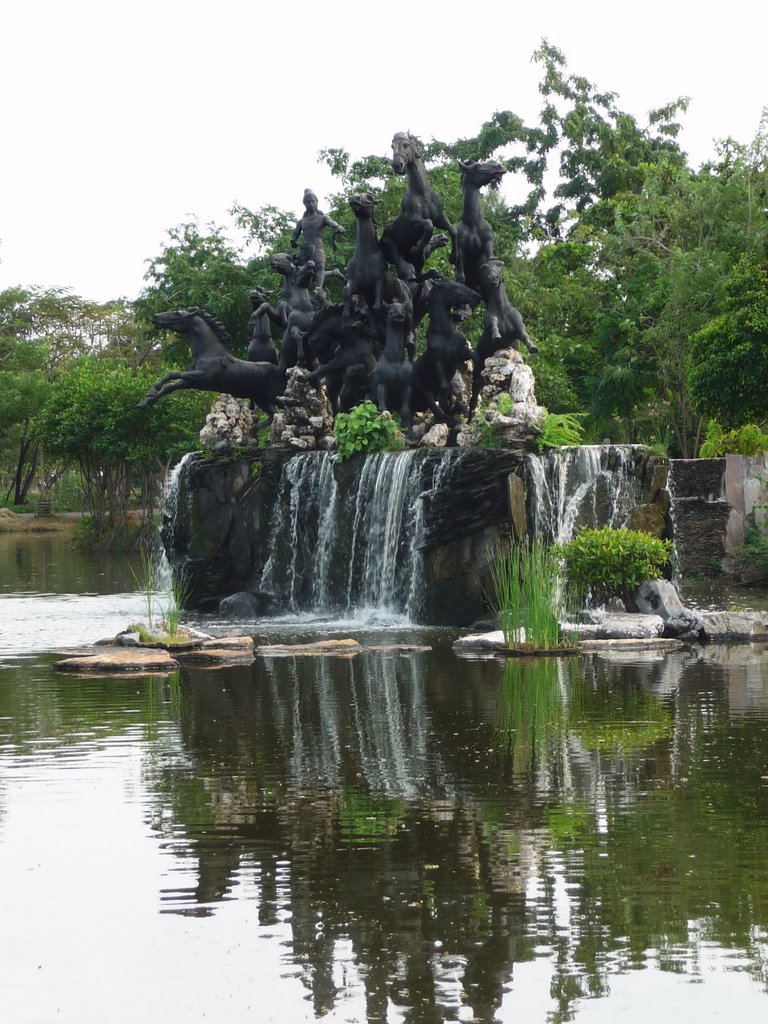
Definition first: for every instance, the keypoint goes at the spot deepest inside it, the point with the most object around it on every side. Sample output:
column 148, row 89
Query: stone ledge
column 119, row 661
column 723, row 626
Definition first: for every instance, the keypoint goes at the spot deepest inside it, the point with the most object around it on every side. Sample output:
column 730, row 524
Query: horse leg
column 441, row 221
column 519, row 327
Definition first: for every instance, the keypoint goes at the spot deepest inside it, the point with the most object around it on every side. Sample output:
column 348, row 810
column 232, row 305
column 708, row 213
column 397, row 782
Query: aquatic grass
column 527, row 595
column 180, row 590
column 144, row 577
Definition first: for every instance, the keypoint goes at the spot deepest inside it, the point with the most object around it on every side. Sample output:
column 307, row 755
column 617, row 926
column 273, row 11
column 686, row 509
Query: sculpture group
column 365, row 347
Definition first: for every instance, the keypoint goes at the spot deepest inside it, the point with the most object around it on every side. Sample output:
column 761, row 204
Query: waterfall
column 351, row 547
column 169, row 508
column 588, row 486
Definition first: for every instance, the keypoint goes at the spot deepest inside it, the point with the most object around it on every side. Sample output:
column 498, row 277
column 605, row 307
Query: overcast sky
column 120, row 121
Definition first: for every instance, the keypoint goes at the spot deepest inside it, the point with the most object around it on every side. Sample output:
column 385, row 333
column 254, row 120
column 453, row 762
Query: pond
column 382, row 838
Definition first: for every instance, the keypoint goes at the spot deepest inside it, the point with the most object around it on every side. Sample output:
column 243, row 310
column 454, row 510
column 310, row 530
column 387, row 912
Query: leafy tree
column 198, row 267
column 728, row 374
column 90, row 419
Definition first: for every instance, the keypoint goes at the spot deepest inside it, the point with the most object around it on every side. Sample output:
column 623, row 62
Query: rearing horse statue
column 408, row 240
column 214, row 367
column 474, row 233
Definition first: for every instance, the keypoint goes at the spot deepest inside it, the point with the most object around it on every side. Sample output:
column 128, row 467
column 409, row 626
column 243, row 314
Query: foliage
column 526, row 595
column 729, row 356
column 364, row 429
column 180, row 591
column 746, row 440
column 144, row 577
column 750, row 562
column 90, row 419
column 560, row 430
column 198, row 267
column 613, row 563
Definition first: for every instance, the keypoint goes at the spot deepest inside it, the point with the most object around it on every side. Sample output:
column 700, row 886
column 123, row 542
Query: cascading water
column 170, row 513
column 588, row 486
column 352, row 549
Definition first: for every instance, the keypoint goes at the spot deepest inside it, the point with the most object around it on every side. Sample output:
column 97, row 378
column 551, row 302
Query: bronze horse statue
column 408, row 240
column 447, row 348
column 214, row 367
column 474, row 233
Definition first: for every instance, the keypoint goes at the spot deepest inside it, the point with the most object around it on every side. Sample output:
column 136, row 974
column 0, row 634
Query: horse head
column 492, row 273
column 454, row 294
column 282, row 263
column 175, row 319
column 403, row 153
column 478, row 173
column 258, row 296
column 397, row 312
column 305, row 274
column 363, row 204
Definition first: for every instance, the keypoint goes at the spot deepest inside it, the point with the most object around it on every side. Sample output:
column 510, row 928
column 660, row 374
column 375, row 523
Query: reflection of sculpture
column 474, row 236
column 408, row 240
column 214, row 367
column 311, row 227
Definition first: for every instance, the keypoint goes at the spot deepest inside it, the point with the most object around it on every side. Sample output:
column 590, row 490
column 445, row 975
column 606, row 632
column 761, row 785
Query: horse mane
column 325, row 314
column 217, row 327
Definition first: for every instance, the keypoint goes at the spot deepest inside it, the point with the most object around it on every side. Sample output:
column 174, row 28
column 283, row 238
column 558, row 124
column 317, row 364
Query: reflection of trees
column 398, row 803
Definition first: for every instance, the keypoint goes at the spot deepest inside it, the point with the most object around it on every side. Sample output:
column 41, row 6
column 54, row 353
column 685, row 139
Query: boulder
column 119, row 661
column 618, row 626
column 719, row 627
column 344, row 648
column 659, row 597
column 241, row 605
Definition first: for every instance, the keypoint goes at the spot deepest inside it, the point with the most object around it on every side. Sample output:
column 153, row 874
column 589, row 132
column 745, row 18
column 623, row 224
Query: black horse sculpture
column 408, row 240
column 214, row 367
column 369, row 285
column 474, row 233
column 391, row 382
column 347, row 353
column 261, row 347
column 447, row 348
column 300, row 318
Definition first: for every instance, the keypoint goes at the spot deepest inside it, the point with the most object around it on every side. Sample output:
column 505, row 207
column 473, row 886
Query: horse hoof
column 533, row 349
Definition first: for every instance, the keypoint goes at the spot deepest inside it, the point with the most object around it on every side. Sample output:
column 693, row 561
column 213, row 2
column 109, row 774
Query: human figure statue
column 311, row 227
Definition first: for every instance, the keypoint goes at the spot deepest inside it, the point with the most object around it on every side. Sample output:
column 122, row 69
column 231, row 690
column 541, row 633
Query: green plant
column 560, row 430
column 483, row 434
column 746, row 440
column 612, row 563
column 365, row 429
column 144, row 577
column 527, row 596
column 179, row 594
column 504, row 403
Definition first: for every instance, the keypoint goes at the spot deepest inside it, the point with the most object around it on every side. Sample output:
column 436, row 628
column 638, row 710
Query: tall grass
column 179, row 594
column 144, row 578
column 527, row 595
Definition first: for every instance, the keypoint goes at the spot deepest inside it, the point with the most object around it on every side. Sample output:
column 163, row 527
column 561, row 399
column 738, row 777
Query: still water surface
column 381, row 839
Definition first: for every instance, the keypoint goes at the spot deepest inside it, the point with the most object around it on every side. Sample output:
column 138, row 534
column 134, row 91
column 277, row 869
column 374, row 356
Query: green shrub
column 560, row 429
column 746, row 440
column 365, row 429
column 613, row 563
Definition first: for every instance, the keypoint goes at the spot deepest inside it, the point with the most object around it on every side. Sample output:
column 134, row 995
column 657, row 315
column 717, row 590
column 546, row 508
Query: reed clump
column 527, row 596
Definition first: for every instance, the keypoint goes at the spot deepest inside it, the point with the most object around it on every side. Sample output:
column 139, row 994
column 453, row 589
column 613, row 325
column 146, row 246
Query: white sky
column 120, row 121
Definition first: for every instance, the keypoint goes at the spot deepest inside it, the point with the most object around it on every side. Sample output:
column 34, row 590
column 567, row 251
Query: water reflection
column 427, row 839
